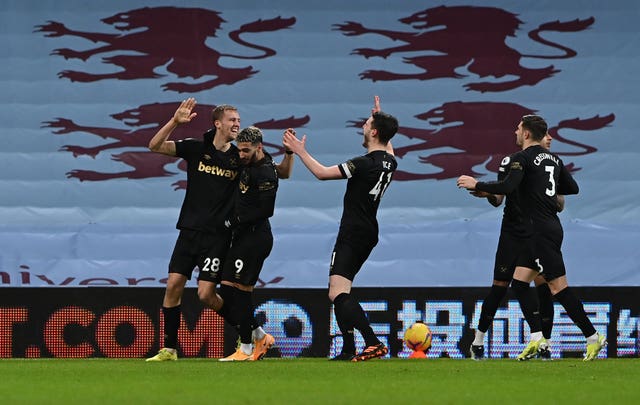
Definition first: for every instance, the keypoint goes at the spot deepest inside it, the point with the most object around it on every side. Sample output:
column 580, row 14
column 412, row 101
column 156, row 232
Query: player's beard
column 249, row 160
column 365, row 141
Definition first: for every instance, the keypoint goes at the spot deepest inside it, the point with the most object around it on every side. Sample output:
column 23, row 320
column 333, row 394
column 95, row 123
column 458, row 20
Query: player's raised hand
column 185, row 113
column 293, row 131
column 376, row 105
column 292, row 143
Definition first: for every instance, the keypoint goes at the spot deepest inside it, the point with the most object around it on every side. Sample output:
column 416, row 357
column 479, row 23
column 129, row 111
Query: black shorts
column 548, row 256
column 349, row 254
column 204, row 250
column 250, row 247
column 545, row 251
column 510, row 248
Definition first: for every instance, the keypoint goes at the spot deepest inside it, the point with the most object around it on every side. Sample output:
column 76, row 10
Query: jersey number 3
column 383, row 182
column 550, row 191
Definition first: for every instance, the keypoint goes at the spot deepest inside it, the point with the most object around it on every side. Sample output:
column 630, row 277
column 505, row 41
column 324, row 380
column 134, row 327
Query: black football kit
column 514, row 231
column 212, row 178
column 252, row 240
column 368, row 178
column 538, row 176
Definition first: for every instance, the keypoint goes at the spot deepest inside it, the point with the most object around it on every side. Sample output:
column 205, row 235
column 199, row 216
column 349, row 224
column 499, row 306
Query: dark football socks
column 490, row 306
column 171, row 326
column 244, row 307
column 545, row 302
column 527, row 299
column 348, row 340
column 354, row 314
column 575, row 310
column 227, row 293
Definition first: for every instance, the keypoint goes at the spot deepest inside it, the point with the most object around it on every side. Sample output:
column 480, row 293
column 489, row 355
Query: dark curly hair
column 250, row 134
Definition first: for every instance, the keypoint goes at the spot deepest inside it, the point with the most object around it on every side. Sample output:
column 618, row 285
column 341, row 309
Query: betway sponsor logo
column 217, row 171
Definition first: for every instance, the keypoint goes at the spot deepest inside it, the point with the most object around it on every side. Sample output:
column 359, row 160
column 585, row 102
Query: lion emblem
column 143, row 122
column 479, row 134
column 454, row 38
column 171, row 38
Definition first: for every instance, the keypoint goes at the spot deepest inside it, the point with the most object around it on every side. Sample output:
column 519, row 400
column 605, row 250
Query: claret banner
column 86, row 85
column 127, row 322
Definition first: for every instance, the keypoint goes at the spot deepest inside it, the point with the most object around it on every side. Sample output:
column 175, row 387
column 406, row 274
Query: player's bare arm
column 467, row 182
column 160, row 143
column 297, row 146
column 285, row 167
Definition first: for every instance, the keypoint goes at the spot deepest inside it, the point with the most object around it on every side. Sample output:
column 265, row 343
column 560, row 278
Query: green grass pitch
column 318, row 381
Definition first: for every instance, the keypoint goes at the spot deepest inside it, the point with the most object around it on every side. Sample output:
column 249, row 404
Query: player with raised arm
column 539, row 176
column 213, row 167
column 252, row 241
column 368, row 178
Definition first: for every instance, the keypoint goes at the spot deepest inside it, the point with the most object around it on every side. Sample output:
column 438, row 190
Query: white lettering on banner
column 567, row 337
column 293, row 327
column 445, row 338
column 628, row 334
column 508, row 335
column 408, row 315
column 509, row 332
column 382, row 330
column 29, row 279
